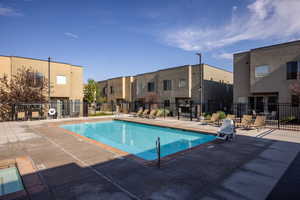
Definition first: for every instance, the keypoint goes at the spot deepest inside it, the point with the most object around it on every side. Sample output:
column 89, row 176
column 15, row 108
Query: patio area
column 72, row 168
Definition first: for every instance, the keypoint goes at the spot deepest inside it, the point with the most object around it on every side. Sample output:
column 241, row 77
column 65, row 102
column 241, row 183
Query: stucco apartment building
column 174, row 85
column 116, row 90
column 66, row 80
column 262, row 76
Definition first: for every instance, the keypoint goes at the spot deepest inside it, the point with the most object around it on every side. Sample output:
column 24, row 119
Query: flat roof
column 165, row 69
column 169, row 68
column 276, row 45
column 270, row 46
column 42, row 60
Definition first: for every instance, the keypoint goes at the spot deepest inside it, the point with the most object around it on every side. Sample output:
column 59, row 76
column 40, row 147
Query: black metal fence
column 279, row 116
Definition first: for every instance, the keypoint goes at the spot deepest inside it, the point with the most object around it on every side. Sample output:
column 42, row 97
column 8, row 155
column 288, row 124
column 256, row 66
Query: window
column 61, row 80
column 167, row 85
column 261, row 71
column 37, row 79
column 150, row 86
column 182, row 83
column 104, row 91
column 111, row 90
column 292, row 69
column 167, row 103
column 295, row 101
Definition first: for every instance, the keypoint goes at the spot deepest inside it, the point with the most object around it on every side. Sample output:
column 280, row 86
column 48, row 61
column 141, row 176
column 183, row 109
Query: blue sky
column 126, row 37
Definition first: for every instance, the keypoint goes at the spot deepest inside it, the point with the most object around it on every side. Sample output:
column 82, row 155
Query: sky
column 113, row 38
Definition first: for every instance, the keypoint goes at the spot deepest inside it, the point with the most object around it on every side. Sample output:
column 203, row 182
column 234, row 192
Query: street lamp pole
column 200, row 82
column 49, row 86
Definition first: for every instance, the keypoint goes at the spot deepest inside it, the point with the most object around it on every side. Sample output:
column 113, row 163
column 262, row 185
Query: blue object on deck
column 139, row 139
column 10, row 181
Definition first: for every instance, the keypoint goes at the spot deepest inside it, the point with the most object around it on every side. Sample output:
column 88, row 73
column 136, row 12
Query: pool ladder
column 158, row 151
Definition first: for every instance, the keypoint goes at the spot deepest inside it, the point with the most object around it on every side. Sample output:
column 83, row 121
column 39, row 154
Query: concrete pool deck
column 73, row 168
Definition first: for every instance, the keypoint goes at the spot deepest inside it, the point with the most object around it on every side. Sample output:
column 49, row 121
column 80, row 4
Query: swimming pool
column 139, row 139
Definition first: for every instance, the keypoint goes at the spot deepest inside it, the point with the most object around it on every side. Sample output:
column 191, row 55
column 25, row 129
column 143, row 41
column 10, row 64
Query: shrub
column 222, row 114
column 207, row 116
column 288, row 119
column 161, row 112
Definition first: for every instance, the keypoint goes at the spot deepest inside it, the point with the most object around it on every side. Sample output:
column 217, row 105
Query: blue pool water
column 139, row 139
column 10, row 181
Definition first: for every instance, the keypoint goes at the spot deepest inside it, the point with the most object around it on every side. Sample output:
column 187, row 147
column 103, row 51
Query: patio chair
column 213, row 120
column 259, row 122
column 21, row 116
column 227, row 130
column 246, row 121
column 229, row 116
column 35, row 115
column 152, row 114
column 139, row 113
column 145, row 113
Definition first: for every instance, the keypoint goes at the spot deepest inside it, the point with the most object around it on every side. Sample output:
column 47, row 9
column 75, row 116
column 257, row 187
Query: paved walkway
column 75, row 169
column 288, row 186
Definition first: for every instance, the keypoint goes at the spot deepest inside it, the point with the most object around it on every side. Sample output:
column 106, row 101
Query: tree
column 90, row 90
column 295, row 88
column 26, row 86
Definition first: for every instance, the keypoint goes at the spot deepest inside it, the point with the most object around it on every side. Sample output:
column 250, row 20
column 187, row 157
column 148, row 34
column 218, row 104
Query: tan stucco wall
column 218, row 75
column 5, row 66
column 141, row 85
column 121, row 87
column 276, row 57
column 218, row 88
column 241, row 71
column 101, row 86
column 173, row 74
column 73, row 89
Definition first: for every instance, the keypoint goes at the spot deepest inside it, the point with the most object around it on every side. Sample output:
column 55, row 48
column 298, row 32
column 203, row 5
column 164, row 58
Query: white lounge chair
column 227, row 130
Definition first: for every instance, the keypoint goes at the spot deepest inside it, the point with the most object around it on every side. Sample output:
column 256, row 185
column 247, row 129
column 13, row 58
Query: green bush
column 207, row 116
column 222, row 114
column 288, row 119
column 160, row 112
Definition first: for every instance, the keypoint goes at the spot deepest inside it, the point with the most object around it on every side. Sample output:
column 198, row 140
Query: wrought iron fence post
column 278, row 121
column 178, row 112
column 191, row 111
column 164, row 111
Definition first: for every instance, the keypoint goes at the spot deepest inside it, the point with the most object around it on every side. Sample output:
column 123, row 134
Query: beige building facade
column 116, row 90
column 66, row 80
column 182, row 84
column 263, row 76
column 172, row 86
column 66, row 83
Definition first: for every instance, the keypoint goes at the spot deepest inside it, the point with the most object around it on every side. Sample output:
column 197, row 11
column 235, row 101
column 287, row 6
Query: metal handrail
column 158, row 151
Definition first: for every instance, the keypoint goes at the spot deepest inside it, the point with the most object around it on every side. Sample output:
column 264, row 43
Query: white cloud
column 71, row 35
column 265, row 19
column 226, row 56
column 7, row 11
column 234, row 8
